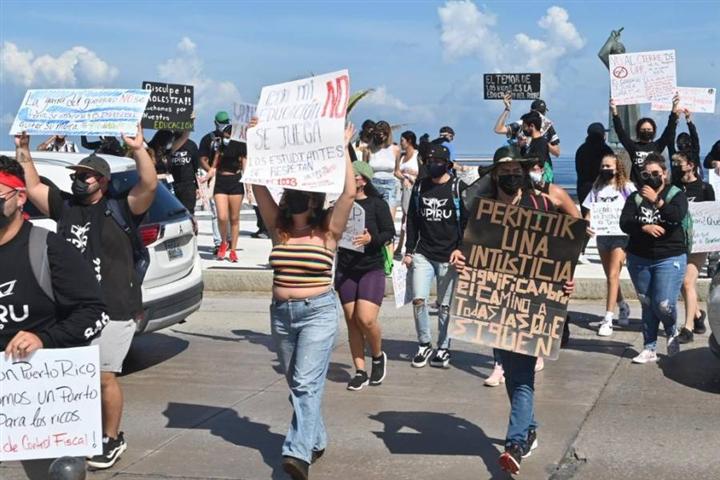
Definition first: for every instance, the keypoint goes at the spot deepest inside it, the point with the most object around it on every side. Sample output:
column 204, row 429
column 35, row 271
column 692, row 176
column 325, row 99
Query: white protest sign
column 107, row 112
column 697, row 100
column 642, row 77
column 355, row 226
column 706, row 226
column 402, row 284
column 50, row 404
column 242, row 113
column 299, row 141
column 714, row 180
column 605, row 218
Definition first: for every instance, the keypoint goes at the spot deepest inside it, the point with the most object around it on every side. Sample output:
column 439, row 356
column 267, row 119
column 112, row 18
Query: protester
column 645, row 130
column 696, row 191
column 384, row 157
column 58, row 143
column 447, row 134
column 104, row 228
column 588, row 158
column 657, row 252
column 158, row 148
column 105, row 145
column 611, row 186
column 408, row 170
column 304, row 311
column 510, row 185
column 712, row 159
column 513, row 131
column 360, row 280
column 688, row 143
column 228, row 194
column 538, row 146
column 435, row 224
column 183, row 165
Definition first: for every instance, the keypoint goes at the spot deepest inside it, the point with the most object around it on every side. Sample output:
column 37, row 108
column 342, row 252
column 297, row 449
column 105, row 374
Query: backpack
column 39, row 263
column 686, row 223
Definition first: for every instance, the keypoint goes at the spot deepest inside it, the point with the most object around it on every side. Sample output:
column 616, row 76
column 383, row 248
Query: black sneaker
column 296, row 468
column 358, row 381
column 441, row 359
column 685, row 336
column 422, row 356
column 532, row 443
column 216, row 249
column 378, row 370
column 316, row 455
column 112, row 449
column 511, row 458
column 699, row 324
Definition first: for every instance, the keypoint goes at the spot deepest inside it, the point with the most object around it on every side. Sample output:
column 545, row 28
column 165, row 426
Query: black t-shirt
column 698, row 191
column 209, row 145
column 183, row 163
column 379, row 224
column 231, row 154
column 588, row 158
column 108, row 249
column 76, row 315
column 539, row 149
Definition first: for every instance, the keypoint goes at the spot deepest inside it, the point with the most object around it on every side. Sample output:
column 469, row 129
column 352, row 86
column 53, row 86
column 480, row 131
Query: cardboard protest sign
column 355, row 226
column 80, row 112
column 242, row 113
column 50, row 404
column 605, row 218
column 402, row 284
column 299, row 141
column 522, row 86
column 170, row 106
column 706, row 226
column 697, row 100
column 642, row 77
column 510, row 296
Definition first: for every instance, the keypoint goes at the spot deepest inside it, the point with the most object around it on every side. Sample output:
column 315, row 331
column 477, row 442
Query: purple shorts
column 368, row 286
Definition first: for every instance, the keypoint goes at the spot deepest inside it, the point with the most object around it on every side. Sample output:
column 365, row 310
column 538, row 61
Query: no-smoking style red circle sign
column 620, row 72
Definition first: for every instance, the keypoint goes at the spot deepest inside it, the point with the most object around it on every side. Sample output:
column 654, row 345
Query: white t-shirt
column 608, row 194
column 383, row 162
column 411, row 164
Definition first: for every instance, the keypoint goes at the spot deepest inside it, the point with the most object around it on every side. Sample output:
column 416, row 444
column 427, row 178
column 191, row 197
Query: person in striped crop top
column 304, row 311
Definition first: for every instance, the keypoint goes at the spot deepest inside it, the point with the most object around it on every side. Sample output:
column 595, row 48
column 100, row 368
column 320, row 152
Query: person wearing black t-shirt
column 182, row 163
column 656, row 252
column 228, row 194
column 87, row 221
column 360, row 280
column 685, row 178
column 588, row 158
column 538, row 147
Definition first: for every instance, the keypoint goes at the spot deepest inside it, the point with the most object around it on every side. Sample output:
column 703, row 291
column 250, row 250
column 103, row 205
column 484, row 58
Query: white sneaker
column 606, row 328
column 583, row 260
column 496, row 377
column 539, row 364
column 624, row 314
column 646, row 356
column 673, row 346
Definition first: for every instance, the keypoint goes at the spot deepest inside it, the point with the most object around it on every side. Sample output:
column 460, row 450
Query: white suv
column 173, row 285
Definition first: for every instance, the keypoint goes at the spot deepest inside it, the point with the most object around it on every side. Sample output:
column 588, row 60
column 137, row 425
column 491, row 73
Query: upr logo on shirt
column 80, row 233
column 435, row 210
column 7, row 312
column 648, row 216
column 181, row 158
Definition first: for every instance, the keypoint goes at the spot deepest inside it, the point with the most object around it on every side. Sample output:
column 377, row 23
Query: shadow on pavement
column 152, row 349
column 697, row 368
column 228, row 425
column 430, row 433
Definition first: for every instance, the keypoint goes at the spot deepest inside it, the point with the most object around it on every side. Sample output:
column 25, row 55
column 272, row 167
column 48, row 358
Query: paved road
column 206, row 400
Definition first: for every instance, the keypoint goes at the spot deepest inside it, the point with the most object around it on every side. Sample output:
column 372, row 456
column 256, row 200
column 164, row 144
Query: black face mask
column 510, row 184
column 527, row 133
column 653, row 182
column 607, row 175
column 4, row 220
column 684, row 147
column 80, row 189
column 437, row 170
column 645, row 136
column 297, row 203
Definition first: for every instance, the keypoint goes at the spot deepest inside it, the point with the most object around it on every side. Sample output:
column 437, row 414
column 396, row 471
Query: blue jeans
column 304, row 332
column 424, row 271
column 520, row 386
column 389, row 188
column 657, row 283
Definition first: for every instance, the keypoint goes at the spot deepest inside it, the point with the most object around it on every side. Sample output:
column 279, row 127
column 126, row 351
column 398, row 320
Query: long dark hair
column 318, row 215
column 410, row 137
column 645, row 120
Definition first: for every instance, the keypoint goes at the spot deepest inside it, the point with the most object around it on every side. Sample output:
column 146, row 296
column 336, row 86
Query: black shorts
column 229, row 185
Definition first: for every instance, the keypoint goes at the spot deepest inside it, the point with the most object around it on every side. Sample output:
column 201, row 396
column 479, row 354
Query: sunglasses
column 82, row 176
column 646, row 175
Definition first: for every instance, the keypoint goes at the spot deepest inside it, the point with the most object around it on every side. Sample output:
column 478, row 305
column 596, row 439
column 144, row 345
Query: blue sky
column 424, row 58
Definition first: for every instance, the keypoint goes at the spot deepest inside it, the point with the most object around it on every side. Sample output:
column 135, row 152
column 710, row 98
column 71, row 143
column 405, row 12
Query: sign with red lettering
column 298, row 142
column 510, row 295
column 643, row 77
column 50, row 404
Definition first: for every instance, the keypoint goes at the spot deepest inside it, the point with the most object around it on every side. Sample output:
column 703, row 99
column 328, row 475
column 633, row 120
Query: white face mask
column 536, row 177
column 168, row 146
column 226, row 141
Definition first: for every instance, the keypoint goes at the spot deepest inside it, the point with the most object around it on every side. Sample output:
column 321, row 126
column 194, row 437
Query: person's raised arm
column 343, row 205
column 269, row 210
column 620, row 131
column 36, row 190
column 667, row 140
column 554, row 149
column 89, row 145
column 500, row 126
column 564, row 202
column 142, row 194
column 46, row 144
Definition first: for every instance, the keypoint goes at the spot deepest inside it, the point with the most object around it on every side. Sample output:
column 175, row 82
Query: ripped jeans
column 657, row 283
column 424, row 271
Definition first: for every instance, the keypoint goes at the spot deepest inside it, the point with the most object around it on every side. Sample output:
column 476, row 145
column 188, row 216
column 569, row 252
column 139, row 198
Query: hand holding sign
column 137, row 142
column 22, row 345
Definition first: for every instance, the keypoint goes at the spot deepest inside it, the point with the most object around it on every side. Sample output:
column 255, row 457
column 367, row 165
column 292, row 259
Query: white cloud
column 467, row 30
column 386, row 104
column 78, row 66
column 381, row 97
column 189, row 69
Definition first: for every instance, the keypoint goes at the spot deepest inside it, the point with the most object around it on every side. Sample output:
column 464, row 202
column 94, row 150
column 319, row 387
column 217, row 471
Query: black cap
column 95, row 164
column 447, row 129
column 539, row 106
column 596, row 129
column 510, row 153
column 436, row 152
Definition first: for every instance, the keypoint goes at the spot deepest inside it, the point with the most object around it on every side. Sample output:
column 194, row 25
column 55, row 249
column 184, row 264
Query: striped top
column 301, row 265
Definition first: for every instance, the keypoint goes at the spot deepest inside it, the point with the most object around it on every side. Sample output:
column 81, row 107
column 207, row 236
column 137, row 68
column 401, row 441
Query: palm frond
column 356, row 97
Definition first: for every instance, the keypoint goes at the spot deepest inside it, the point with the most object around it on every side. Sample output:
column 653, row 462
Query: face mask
column 297, row 203
column 226, row 141
column 80, row 189
column 683, row 147
column 437, row 170
column 654, row 182
column 4, row 220
column 606, row 175
column 527, row 132
column 536, row 177
column 510, row 184
column 168, row 145
column 644, row 136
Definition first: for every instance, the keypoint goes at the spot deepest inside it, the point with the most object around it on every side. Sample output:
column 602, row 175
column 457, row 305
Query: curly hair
column 11, row 166
column 621, row 175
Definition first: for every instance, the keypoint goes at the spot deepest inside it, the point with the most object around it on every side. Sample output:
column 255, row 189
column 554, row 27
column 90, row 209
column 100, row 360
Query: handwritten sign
column 605, row 218
column 697, row 100
column 80, row 112
column 511, row 295
column 706, row 226
column 355, row 226
column 242, row 113
column 170, row 106
column 402, row 284
column 299, row 140
column 642, row 77
column 522, row 86
column 50, row 404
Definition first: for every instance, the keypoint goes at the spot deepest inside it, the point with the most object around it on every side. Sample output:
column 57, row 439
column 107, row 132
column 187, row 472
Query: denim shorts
column 389, row 189
column 611, row 242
